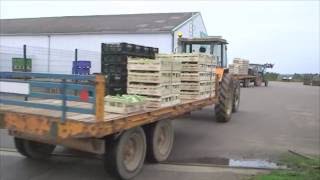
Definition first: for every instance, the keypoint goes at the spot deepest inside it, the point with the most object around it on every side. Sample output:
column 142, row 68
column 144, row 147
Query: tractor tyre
column 223, row 109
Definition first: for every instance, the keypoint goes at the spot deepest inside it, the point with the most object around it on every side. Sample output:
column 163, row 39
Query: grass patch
column 299, row 168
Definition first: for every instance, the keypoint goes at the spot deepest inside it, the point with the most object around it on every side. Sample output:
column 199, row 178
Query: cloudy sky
column 285, row 33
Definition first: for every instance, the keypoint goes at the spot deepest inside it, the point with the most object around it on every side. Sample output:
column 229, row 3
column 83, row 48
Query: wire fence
column 45, row 60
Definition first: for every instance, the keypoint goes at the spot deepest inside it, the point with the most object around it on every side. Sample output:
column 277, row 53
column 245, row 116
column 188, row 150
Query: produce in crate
column 124, row 104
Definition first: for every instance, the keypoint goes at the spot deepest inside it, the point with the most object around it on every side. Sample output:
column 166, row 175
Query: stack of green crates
column 18, row 64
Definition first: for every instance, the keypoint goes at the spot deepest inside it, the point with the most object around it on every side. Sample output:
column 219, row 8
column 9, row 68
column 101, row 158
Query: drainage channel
column 200, row 162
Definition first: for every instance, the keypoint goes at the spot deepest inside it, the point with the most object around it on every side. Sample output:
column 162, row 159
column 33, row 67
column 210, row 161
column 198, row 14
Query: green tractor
column 259, row 70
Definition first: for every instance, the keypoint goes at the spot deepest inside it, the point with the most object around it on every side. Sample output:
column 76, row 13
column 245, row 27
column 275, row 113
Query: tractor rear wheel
column 32, row 149
column 223, row 109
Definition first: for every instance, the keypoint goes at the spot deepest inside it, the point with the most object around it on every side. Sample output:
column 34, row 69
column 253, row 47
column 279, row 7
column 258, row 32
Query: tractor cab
column 212, row 45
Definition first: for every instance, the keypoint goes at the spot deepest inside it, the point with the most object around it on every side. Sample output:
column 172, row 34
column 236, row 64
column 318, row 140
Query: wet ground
column 271, row 121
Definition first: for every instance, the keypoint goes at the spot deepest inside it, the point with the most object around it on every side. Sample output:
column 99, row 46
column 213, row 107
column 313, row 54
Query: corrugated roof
column 127, row 23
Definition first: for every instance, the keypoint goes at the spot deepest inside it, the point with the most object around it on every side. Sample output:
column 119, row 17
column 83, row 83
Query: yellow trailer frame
column 86, row 132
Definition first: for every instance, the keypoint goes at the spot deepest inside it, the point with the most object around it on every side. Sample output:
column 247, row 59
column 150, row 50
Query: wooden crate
column 149, row 89
column 175, row 88
column 196, row 76
column 164, row 101
column 194, row 58
column 189, row 95
column 175, row 63
column 190, row 67
column 239, row 66
column 198, row 86
column 150, row 77
column 114, row 106
column 142, row 64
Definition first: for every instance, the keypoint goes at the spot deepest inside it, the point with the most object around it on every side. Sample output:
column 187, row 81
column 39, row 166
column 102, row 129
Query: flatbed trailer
column 80, row 121
column 245, row 80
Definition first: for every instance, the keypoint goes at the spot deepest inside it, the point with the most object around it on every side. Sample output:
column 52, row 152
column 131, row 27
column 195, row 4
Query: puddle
column 253, row 163
column 241, row 163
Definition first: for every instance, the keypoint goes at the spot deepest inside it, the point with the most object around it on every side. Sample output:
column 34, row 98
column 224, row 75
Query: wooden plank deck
column 43, row 122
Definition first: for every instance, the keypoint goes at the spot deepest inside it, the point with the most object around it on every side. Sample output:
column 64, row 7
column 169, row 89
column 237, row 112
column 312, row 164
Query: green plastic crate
column 18, row 64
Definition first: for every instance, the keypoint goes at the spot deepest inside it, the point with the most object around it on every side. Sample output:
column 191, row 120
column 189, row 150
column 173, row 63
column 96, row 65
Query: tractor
column 229, row 91
column 258, row 70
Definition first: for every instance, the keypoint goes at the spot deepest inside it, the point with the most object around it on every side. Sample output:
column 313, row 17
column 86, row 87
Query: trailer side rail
column 30, row 83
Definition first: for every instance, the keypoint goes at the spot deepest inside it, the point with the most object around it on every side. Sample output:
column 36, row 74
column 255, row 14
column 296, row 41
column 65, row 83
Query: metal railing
column 91, row 88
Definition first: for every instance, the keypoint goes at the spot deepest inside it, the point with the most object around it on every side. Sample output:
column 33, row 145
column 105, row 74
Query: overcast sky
column 285, row 33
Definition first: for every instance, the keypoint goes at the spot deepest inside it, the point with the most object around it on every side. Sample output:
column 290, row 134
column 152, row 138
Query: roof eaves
column 186, row 21
column 81, row 33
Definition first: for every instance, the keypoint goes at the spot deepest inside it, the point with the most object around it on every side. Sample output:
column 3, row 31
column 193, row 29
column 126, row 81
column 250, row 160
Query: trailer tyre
column 246, row 83
column 32, row 149
column 236, row 96
column 126, row 154
column 223, row 109
column 160, row 136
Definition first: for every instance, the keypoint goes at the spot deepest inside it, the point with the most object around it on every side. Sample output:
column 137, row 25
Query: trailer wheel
column 236, row 97
column 246, row 83
column 126, row 154
column 257, row 81
column 32, row 149
column 160, row 137
column 223, row 109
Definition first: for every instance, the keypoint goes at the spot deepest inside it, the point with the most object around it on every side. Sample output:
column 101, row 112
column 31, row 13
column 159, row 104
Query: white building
column 88, row 32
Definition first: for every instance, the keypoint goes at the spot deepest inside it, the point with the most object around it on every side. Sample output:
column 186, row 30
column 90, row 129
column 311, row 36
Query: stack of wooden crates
column 239, row 66
column 158, row 80
column 197, row 76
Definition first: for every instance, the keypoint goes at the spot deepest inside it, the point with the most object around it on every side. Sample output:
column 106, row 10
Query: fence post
column 25, row 64
column 64, row 100
column 75, row 69
column 76, row 54
column 25, row 58
column 100, row 90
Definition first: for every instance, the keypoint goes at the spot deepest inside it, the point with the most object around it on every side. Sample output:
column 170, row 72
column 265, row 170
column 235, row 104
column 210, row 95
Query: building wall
column 193, row 28
column 19, row 41
column 61, row 61
column 63, row 64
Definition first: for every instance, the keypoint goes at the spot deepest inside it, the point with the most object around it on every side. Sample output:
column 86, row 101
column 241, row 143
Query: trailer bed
column 48, row 122
column 243, row 77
